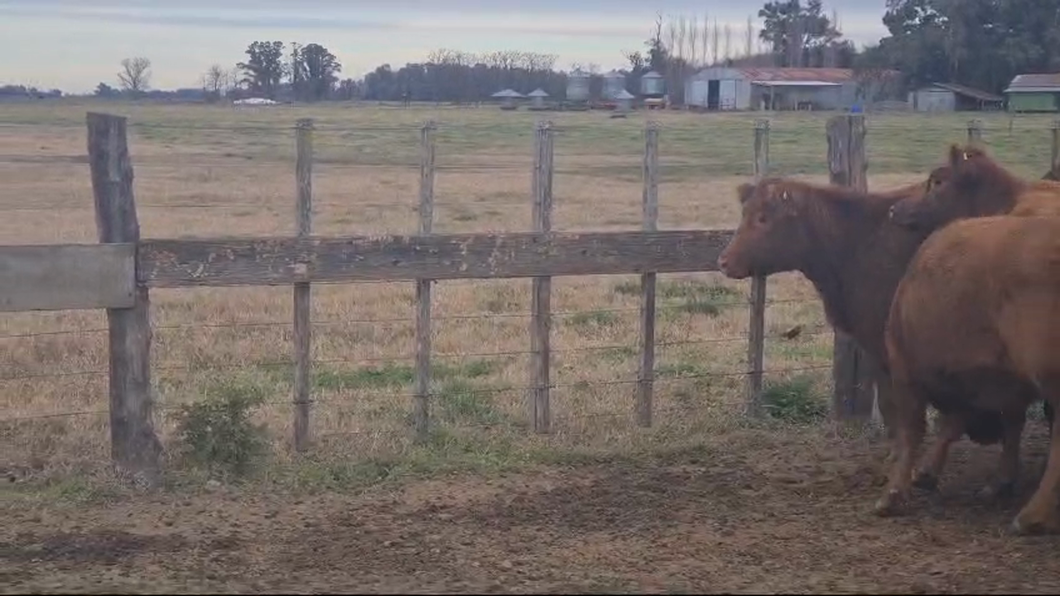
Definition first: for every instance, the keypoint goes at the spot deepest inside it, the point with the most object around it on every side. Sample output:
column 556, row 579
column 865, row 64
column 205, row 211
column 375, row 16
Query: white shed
column 721, row 88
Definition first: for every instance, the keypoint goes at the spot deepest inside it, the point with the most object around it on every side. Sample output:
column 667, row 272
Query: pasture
column 705, row 499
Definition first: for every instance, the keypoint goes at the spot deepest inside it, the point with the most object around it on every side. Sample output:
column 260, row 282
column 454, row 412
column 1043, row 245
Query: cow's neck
column 839, row 234
column 1000, row 185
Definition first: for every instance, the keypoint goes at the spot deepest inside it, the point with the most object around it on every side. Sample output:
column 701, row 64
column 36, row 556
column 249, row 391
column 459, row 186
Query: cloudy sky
column 75, row 44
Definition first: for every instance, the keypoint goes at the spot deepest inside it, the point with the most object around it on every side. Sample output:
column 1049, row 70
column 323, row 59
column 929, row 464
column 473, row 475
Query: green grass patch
column 795, row 399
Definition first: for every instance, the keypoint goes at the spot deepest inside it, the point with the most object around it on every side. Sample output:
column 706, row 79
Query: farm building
column 1034, row 93
column 722, row 88
column 950, row 97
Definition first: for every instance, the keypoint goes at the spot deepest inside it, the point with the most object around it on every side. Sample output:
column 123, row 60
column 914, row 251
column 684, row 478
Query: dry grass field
column 585, row 494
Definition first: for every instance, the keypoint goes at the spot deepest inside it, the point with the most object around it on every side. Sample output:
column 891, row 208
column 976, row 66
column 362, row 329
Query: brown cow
column 843, row 242
column 974, row 326
column 974, row 185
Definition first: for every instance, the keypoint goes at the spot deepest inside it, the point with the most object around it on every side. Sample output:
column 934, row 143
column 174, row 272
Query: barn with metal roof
column 724, row 88
column 1034, row 93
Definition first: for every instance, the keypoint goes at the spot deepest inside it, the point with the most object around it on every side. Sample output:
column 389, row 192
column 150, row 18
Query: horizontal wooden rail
column 281, row 261
column 66, row 277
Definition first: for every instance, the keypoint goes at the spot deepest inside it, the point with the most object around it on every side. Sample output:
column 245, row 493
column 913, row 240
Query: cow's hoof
column 889, row 504
column 1031, row 524
column 926, row 481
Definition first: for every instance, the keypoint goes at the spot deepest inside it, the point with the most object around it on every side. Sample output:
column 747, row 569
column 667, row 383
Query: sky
column 75, row 44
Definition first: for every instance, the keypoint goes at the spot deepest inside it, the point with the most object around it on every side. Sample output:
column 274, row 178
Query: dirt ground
column 753, row 515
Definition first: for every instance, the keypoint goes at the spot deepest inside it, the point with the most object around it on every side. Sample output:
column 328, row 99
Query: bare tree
column 135, row 74
column 717, row 39
column 750, row 40
column 705, row 38
column 215, row 80
column 728, row 41
column 693, row 35
column 681, row 37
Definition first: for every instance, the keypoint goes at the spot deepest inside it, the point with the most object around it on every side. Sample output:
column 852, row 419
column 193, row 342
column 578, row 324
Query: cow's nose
column 722, row 263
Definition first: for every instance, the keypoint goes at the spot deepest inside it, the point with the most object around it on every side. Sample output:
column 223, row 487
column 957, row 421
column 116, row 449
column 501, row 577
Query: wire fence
column 219, row 177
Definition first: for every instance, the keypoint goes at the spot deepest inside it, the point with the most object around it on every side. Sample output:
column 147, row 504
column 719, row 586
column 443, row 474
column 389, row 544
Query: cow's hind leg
column 1009, row 465
column 950, row 429
column 910, row 413
column 1040, row 514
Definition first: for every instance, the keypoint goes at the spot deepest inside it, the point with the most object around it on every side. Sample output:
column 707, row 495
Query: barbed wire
column 5, row 416
column 409, row 357
column 409, row 320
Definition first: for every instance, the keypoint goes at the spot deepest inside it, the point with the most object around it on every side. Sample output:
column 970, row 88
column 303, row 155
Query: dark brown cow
column 974, row 185
column 843, row 242
column 974, row 326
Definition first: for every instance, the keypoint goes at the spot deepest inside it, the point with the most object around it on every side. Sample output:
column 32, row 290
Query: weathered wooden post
column 756, row 337
column 646, row 375
column 423, row 288
column 302, row 298
column 975, row 131
column 853, row 371
column 541, row 299
column 135, row 447
column 1055, row 161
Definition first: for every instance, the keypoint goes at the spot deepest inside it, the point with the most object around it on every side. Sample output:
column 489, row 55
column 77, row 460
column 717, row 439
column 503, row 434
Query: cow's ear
column 787, row 202
column 957, row 155
column 744, row 191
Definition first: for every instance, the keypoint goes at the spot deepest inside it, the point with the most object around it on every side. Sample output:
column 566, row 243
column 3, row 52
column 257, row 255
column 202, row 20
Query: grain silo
column 537, row 97
column 578, row 85
column 614, row 84
column 652, row 84
column 623, row 101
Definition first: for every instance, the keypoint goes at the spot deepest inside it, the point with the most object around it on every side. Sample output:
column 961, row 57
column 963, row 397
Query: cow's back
column 981, row 294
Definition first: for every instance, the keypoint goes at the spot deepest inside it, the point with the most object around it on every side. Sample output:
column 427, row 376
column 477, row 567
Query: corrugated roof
column 795, row 83
column 830, row 75
column 969, row 92
column 1035, row 80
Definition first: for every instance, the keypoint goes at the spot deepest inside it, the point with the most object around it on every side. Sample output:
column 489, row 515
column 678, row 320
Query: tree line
column 979, row 43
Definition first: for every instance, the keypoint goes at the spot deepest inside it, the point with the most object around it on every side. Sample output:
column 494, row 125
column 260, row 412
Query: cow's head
column 965, row 187
column 769, row 237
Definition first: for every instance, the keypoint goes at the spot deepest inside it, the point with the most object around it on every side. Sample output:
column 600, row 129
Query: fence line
column 423, row 258
column 478, row 390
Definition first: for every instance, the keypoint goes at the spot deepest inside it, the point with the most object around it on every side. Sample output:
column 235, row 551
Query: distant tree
column 265, row 69
column 135, row 74
column 319, row 71
column 798, row 35
column 214, row 82
column 105, row 90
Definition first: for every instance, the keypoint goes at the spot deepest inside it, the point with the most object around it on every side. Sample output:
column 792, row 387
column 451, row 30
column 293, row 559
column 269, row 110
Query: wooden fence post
column 302, row 298
column 541, row 298
column 135, row 447
column 852, row 369
column 646, row 375
column 423, row 288
column 1055, row 162
column 756, row 340
column 975, row 131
